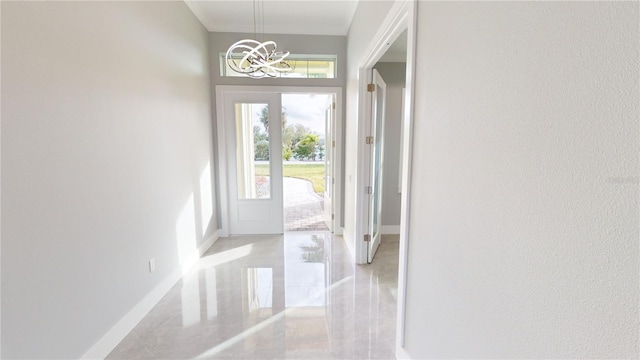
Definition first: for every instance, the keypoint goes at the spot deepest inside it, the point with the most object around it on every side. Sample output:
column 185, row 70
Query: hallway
column 275, row 297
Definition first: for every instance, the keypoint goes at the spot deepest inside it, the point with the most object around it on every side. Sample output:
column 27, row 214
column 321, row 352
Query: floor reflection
column 291, row 296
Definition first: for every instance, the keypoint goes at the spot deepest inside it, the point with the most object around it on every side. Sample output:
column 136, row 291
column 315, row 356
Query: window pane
column 320, row 69
column 252, row 152
column 302, row 66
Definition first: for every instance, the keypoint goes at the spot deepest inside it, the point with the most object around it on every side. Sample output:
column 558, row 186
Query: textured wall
column 524, row 212
column 106, row 158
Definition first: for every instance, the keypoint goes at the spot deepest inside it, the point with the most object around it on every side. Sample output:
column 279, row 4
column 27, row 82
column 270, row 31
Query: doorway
column 385, row 143
column 279, row 159
column 307, row 134
column 400, row 18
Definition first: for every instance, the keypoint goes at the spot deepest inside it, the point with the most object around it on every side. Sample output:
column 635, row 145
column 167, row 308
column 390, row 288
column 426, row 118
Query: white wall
column 366, row 20
column 394, row 75
column 106, row 151
column 524, row 215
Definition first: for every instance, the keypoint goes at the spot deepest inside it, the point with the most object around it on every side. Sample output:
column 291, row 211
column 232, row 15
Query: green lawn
column 311, row 172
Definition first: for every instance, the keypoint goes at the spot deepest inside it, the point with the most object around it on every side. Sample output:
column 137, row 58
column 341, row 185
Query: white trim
column 390, row 229
column 407, row 146
column 122, row 328
column 222, row 163
column 222, row 152
column 400, row 157
column 114, row 336
column 349, row 242
column 337, row 200
column 401, row 353
column 211, row 239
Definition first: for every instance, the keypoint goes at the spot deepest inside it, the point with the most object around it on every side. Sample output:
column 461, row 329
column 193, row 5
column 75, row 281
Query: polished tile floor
column 296, row 296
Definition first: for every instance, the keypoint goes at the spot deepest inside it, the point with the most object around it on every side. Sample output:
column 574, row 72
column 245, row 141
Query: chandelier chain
column 258, row 58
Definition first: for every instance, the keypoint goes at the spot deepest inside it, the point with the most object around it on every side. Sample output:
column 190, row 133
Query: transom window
column 302, row 67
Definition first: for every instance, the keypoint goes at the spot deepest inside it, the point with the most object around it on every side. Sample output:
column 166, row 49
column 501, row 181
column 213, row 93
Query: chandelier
column 257, row 59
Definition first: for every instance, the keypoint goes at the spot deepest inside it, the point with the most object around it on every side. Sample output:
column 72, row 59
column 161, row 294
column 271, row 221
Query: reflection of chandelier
column 257, row 59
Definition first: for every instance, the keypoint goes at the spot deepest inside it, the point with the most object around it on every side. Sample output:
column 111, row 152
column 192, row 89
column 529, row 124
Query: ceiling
column 311, row 17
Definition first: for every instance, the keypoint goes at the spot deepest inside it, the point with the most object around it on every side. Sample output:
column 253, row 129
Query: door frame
column 401, row 16
column 223, row 156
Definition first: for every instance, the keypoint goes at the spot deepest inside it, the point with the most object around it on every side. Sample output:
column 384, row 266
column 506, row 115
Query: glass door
column 329, row 146
column 254, row 138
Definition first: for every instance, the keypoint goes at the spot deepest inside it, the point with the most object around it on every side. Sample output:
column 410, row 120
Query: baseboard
column 209, row 243
column 350, row 247
column 123, row 327
column 390, row 229
column 188, row 264
column 401, row 353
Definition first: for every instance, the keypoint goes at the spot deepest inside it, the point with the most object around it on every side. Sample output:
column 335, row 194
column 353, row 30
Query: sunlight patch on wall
column 206, row 199
column 186, row 233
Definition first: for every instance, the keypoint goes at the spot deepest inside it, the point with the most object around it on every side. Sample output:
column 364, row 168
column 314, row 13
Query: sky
column 306, row 109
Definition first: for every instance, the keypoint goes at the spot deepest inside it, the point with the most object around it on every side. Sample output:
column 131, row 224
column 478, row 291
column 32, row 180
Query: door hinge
column 369, row 140
column 367, row 238
column 333, row 216
column 333, row 143
column 371, row 87
column 368, row 190
column 334, row 106
column 333, row 180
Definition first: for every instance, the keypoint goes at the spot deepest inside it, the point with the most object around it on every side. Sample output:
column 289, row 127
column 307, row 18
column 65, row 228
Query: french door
column 253, row 137
column 329, row 176
column 377, row 164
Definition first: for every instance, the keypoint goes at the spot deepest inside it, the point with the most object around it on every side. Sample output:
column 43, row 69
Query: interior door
column 329, row 146
column 377, row 163
column 254, row 144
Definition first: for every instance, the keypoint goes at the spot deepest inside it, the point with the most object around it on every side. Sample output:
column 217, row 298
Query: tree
column 261, row 150
column 299, row 132
column 291, row 136
column 286, row 153
column 320, row 151
column 306, row 148
column 263, row 116
column 258, row 135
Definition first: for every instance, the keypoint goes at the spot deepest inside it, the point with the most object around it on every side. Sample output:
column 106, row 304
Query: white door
column 377, row 163
column 254, row 147
column 329, row 149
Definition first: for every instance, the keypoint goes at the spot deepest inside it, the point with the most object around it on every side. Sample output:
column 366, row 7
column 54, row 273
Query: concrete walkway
column 303, row 208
